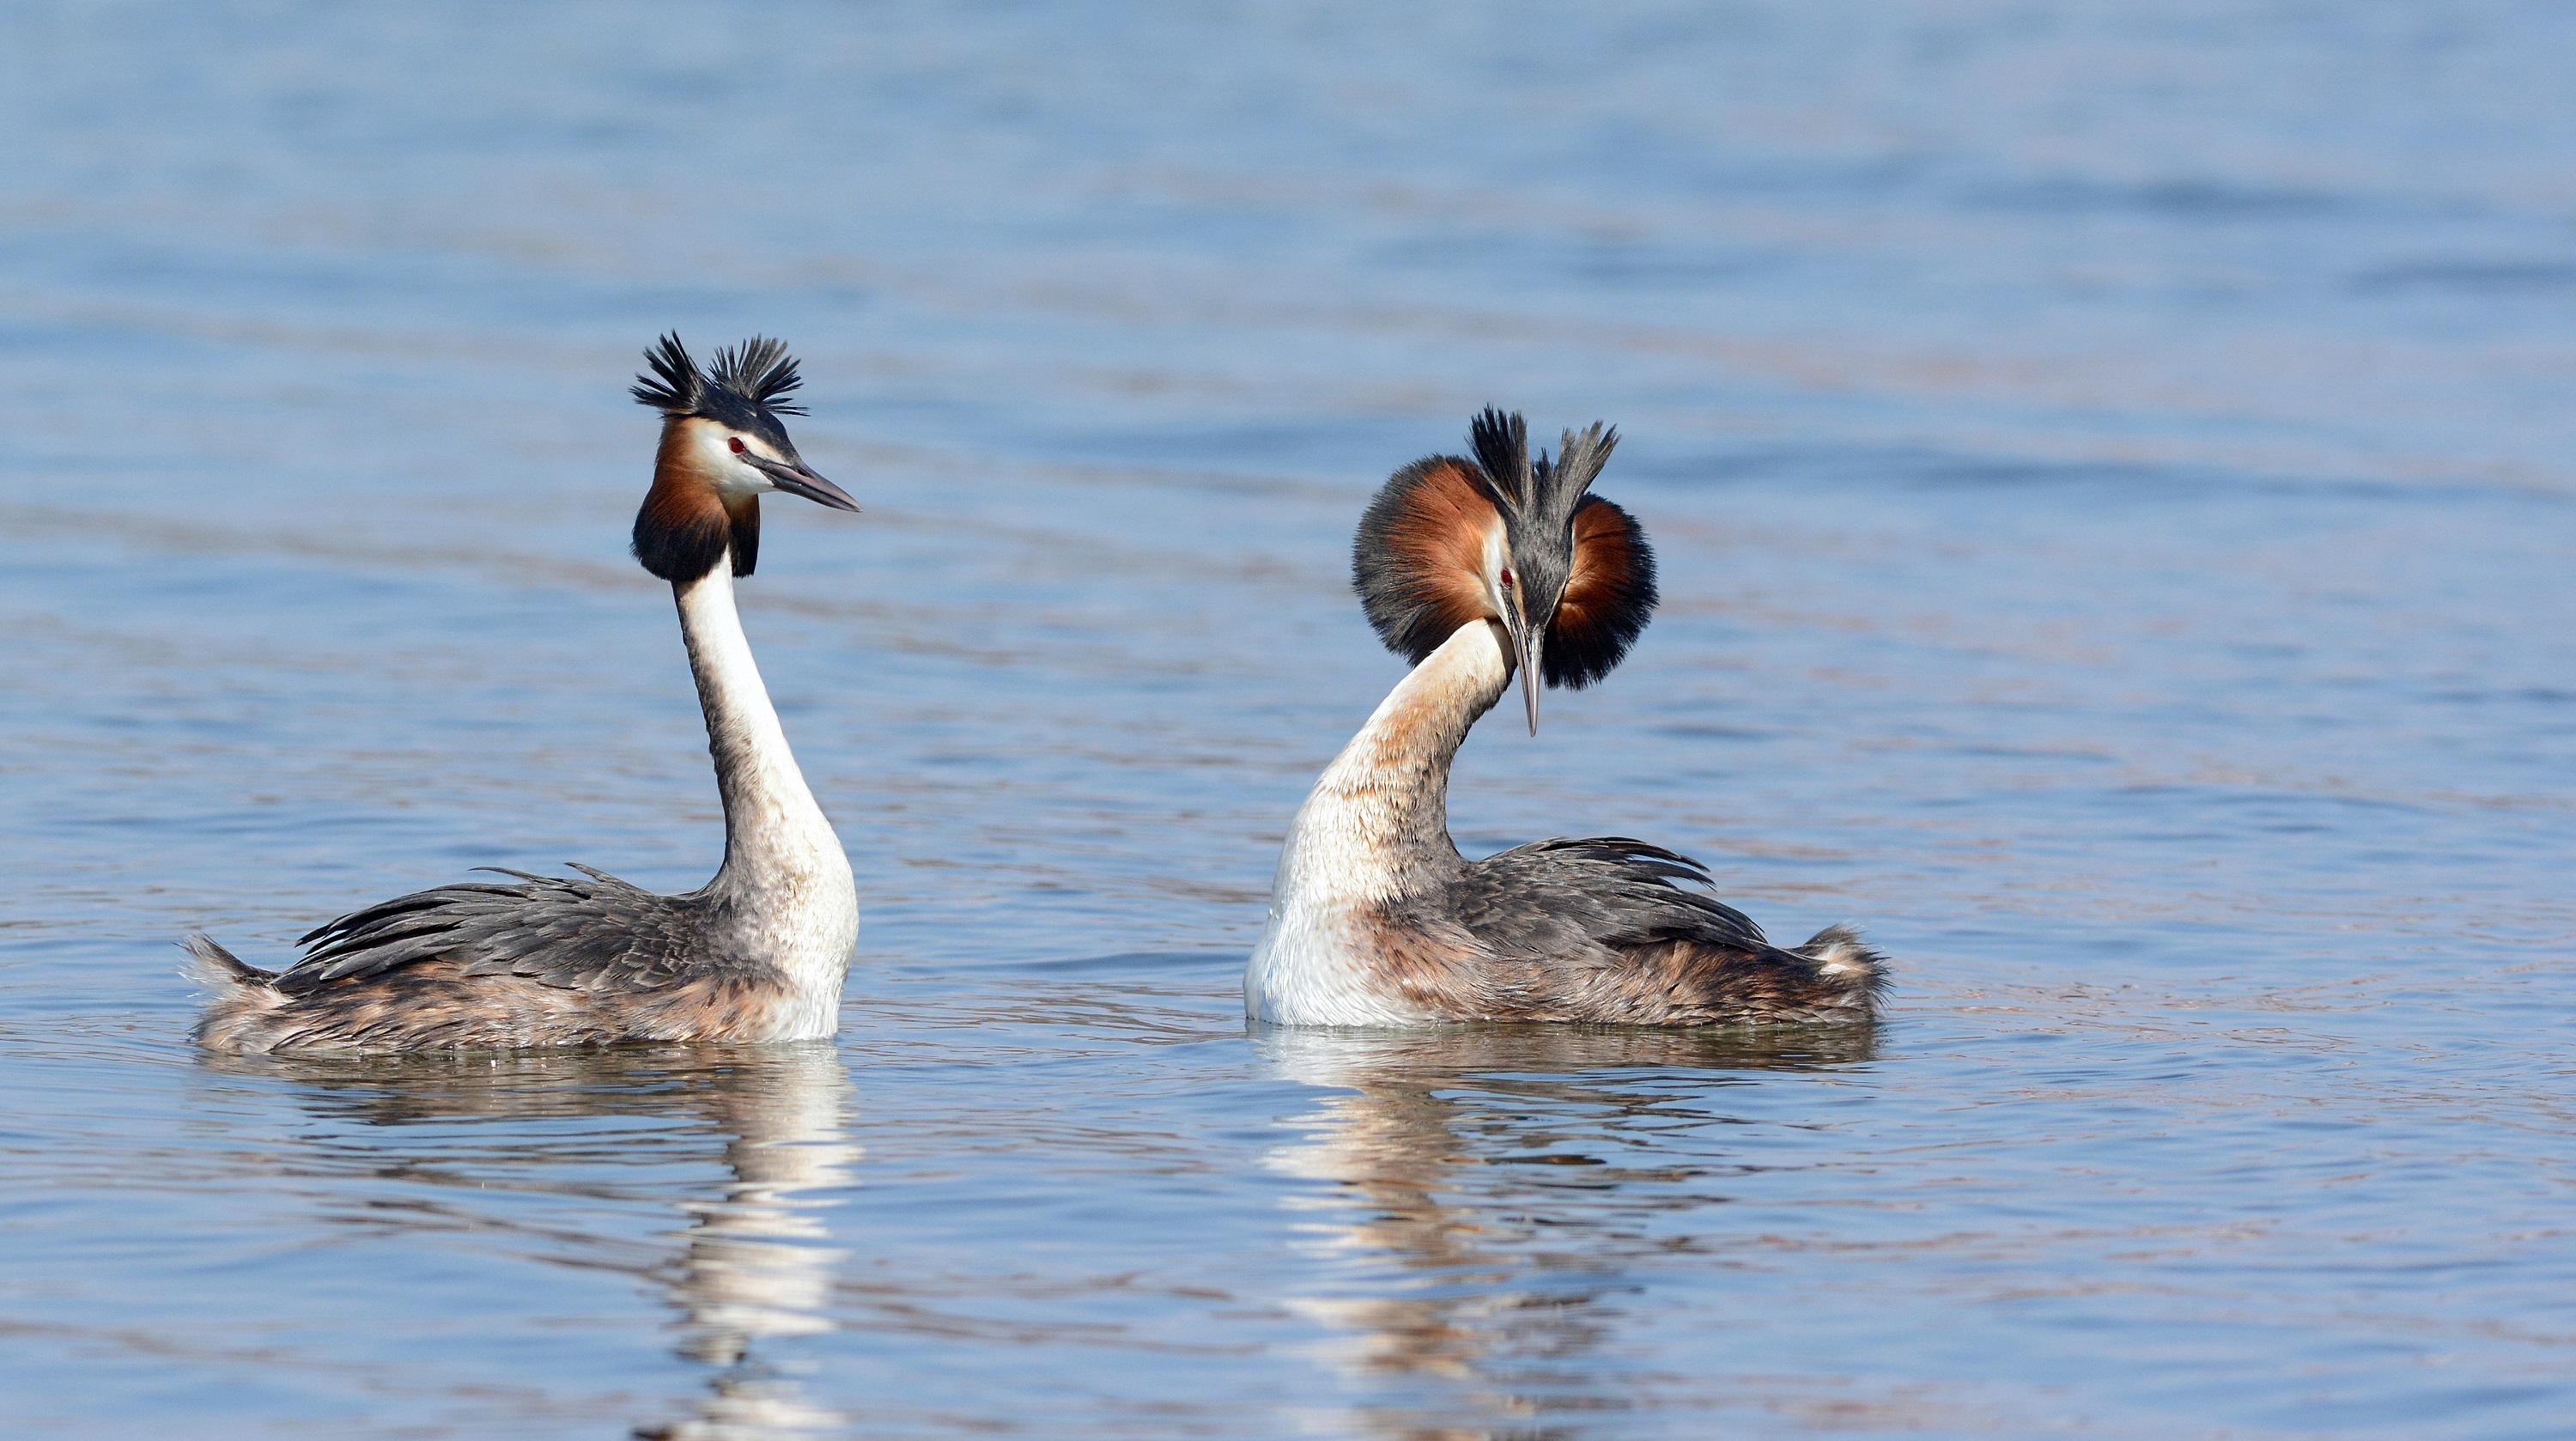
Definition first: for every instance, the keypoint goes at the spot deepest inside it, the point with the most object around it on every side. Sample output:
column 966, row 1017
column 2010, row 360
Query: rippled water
column 2112, row 469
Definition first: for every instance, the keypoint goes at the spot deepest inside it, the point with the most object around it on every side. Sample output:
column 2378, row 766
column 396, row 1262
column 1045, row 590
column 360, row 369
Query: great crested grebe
column 1473, row 569
column 756, row 954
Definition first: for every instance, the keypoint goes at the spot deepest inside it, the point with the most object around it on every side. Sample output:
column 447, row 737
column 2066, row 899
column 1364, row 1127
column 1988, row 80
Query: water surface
column 2111, row 471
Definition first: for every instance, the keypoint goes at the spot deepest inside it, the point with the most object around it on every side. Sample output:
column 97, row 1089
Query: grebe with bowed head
column 756, row 954
column 1474, row 569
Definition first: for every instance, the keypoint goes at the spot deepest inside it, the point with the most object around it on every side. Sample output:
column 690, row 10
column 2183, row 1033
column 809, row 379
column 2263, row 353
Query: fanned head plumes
column 1609, row 591
column 1419, row 558
column 1501, row 443
column 746, row 388
column 688, row 524
column 675, row 384
column 1450, row 540
column 1608, row 598
column 760, row 372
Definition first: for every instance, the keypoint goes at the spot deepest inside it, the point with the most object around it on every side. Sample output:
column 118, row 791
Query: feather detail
column 674, row 386
column 759, row 372
column 1420, row 551
column 1425, row 557
column 742, row 532
column 1609, row 596
column 681, row 530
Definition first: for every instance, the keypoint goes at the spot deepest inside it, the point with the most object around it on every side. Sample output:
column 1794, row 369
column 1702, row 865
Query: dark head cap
column 746, row 388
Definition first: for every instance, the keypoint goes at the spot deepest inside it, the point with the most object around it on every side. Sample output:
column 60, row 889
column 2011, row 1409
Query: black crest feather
column 1580, row 454
column 759, row 371
column 1537, row 492
column 1501, row 443
column 747, row 386
column 674, row 387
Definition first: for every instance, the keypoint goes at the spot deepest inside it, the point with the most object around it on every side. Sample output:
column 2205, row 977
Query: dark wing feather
column 1557, row 900
column 592, row 933
column 1615, row 930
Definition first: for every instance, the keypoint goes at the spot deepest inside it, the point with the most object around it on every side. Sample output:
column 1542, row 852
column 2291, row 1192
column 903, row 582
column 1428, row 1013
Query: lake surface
column 2115, row 477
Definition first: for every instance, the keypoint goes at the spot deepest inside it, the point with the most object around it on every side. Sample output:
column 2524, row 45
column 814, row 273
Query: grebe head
column 722, row 447
column 1509, row 539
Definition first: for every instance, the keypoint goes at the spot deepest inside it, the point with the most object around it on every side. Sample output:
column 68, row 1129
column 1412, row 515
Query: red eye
column 735, row 443
column 1507, row 577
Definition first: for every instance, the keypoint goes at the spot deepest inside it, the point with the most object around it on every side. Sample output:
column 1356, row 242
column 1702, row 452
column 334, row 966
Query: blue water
column 2112, row 471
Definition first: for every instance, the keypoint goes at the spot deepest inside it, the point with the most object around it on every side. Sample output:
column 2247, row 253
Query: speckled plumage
column 1615, row 930
column 540, row 960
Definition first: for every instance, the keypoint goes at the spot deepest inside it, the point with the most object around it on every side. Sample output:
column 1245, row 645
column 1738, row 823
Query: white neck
column 1375, row 828
column 1379, row 816
column 783, row 866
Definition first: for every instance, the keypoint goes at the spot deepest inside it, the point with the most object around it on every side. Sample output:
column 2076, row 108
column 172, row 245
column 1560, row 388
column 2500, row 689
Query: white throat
column 793, row 899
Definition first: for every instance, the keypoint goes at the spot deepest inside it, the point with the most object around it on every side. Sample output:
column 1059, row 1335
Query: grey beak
column 795, row 478
column 1529, row 647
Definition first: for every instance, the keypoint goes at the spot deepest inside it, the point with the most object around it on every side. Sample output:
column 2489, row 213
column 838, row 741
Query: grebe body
column 1477, row 569
column 759, row 953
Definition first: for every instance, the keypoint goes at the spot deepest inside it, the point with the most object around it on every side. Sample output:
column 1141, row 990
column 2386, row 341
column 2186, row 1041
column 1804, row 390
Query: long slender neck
column 1377, row 823
column 774, row 832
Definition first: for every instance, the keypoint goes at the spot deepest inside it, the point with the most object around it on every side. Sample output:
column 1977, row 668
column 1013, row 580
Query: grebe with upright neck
column 756, row 954
column 1475, row 569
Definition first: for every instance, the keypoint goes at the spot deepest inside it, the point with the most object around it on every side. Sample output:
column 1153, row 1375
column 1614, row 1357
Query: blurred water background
column 2114, row 472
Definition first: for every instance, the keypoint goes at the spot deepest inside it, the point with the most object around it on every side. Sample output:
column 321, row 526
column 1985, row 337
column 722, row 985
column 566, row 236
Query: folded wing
column 592, row 933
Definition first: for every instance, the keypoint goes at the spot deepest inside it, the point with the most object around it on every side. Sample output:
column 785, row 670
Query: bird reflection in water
column 1491, row 1203
column 753, row 1261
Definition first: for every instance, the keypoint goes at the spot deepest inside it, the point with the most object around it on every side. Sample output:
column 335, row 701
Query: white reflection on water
column 1436, row 1259
column 755, row 1261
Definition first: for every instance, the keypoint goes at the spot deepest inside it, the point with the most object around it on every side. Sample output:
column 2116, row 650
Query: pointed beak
column 1528, row 642
column 796, row 478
